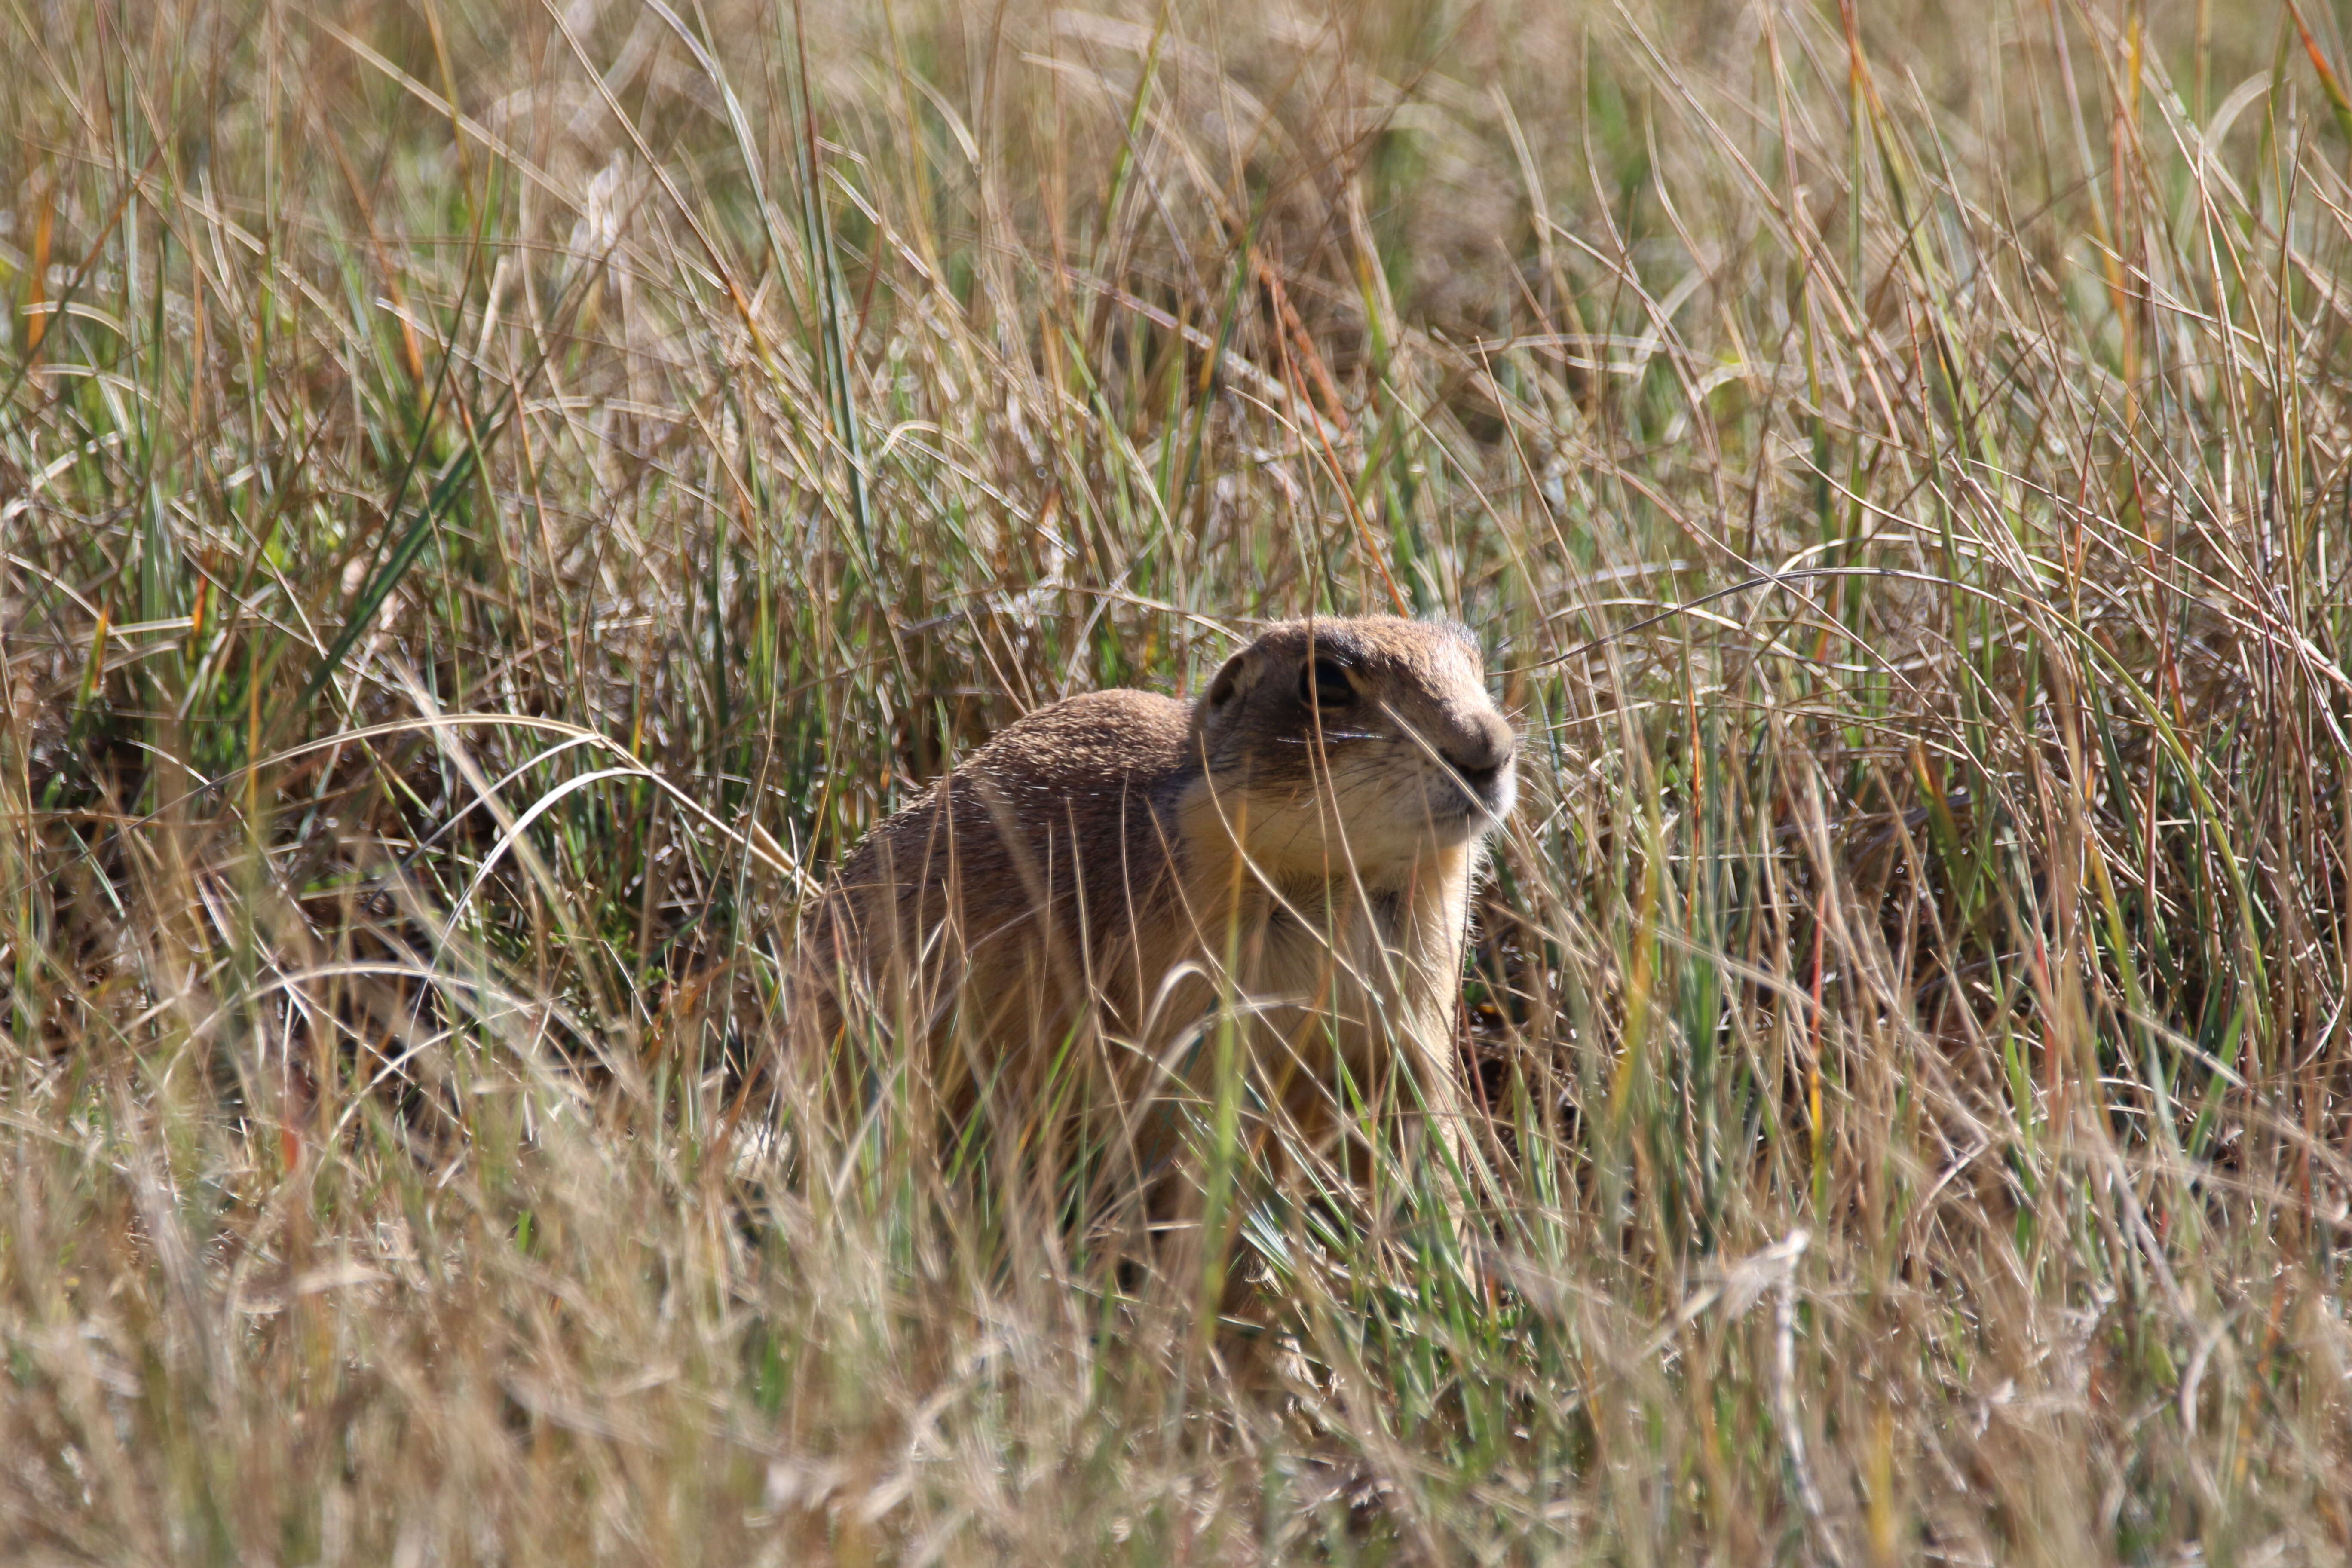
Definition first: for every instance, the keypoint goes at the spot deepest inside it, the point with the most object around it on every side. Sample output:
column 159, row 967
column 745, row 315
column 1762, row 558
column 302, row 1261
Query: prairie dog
column 1056, row 922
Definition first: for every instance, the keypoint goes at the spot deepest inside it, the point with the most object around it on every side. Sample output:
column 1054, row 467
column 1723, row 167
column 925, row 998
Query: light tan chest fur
column 1344, row 993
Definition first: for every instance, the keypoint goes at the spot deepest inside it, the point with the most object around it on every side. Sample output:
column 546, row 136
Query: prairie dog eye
column 1324, row 683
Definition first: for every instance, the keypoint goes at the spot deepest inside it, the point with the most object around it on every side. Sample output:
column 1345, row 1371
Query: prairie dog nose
column 1483, row 750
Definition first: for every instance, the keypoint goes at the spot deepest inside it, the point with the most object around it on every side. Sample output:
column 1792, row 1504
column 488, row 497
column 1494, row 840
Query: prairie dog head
column 1365, row 743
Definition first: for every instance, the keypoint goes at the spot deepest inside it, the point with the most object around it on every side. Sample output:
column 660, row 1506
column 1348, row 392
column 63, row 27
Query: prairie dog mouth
column 1482, row 798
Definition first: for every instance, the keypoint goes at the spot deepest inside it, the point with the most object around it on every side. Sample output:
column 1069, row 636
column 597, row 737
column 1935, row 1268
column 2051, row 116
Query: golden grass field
column 496, row 498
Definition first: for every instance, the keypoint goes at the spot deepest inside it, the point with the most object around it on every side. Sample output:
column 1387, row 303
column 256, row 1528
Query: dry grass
column 496, row 496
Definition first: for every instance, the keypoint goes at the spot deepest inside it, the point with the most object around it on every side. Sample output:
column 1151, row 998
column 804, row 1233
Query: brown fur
column 1056, row 919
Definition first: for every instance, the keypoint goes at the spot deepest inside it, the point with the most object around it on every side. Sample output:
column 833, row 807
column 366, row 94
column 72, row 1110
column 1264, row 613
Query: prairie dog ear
column 1234, row 681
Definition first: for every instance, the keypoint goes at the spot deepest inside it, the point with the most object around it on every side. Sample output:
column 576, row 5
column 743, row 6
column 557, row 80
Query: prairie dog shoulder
column 1069, row 808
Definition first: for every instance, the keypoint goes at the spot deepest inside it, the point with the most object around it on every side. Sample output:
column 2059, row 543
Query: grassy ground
column 496, row 497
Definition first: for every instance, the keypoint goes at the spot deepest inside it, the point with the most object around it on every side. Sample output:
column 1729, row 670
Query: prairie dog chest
column 1363, row 970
